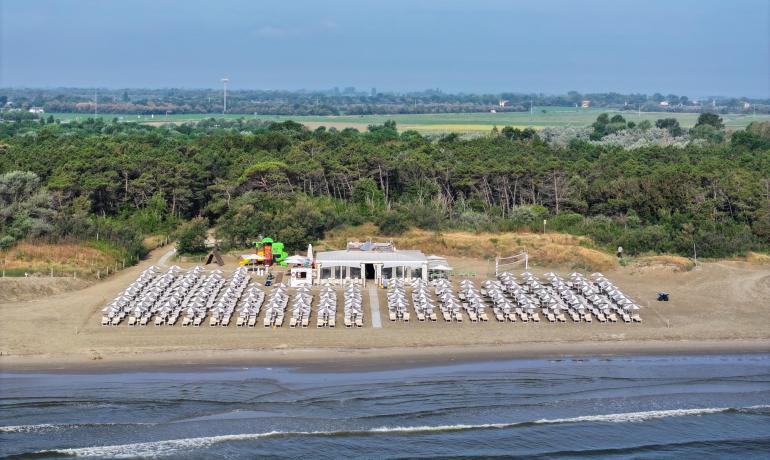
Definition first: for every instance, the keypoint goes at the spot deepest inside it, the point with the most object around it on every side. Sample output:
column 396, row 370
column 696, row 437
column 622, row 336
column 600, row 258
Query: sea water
column 625, row 407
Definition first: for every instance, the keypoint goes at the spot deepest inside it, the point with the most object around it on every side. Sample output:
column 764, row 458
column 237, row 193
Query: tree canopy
column 244, row 178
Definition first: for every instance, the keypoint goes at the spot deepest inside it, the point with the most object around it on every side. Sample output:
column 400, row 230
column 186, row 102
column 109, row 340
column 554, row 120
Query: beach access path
column 374, row 306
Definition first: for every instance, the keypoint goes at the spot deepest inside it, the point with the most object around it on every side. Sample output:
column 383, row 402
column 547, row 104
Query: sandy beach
column 717, row 307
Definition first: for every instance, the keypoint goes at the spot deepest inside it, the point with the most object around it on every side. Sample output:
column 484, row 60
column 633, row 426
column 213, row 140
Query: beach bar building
column 370, row 262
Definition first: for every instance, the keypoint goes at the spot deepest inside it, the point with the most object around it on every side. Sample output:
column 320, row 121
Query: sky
column 686, row 47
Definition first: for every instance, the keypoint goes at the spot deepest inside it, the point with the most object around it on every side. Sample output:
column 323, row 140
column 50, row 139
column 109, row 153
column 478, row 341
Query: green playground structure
column 271, row 250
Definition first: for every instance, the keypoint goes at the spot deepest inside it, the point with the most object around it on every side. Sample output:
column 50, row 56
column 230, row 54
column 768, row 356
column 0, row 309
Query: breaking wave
column 174, row 446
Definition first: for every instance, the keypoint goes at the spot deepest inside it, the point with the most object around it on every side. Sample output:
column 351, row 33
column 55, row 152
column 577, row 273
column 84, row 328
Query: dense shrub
column 191, row 236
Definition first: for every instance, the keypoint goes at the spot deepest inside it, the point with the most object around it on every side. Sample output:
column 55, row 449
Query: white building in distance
column 370, row 262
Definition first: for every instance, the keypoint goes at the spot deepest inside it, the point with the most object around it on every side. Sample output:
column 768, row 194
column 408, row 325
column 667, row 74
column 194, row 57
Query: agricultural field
column 444, row 122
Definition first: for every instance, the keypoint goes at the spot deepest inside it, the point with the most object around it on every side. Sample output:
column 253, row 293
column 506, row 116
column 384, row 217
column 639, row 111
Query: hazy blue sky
column 691, row 47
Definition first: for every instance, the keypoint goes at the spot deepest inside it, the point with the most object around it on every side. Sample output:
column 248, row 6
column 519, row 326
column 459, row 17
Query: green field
column 445, row 122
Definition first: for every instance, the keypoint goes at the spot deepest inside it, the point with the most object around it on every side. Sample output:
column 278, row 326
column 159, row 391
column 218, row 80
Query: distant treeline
column 346, row 102
column 123, row 181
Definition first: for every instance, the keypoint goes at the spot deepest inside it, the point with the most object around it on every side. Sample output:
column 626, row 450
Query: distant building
column 375, row 262
column 36, row 110
column 492, row 111
column 585, row 104
column 746, row 105
column 664, row 103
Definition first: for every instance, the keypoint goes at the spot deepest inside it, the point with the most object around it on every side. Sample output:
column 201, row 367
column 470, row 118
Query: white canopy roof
column 441, row 267
column 398, row 258
column 296, row 259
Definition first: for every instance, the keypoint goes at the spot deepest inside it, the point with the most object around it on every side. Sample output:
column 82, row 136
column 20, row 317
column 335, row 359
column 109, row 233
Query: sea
column 678, row 407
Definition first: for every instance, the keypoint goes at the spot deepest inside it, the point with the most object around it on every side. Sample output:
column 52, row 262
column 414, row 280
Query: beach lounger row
column 117, row 310
column 397, row 302
column 327, row 306
column 250, row 307
column 353, row 309
column 424, row 304
column 228, row 300
column 300, row 307
column 275, row 307
column 448, row 302
column 472, row 301
column 512, row 301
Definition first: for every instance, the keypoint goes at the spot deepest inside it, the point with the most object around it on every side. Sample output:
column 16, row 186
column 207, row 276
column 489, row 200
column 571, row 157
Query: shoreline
column 365, row 359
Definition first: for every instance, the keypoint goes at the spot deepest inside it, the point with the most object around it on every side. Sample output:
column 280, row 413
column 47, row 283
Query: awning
column 403, row 264
column 296, row 260
column 339, row 263
column 442, row 268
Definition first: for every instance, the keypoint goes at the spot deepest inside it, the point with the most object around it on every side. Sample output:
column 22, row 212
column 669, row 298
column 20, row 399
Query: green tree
column 710, row 119
column 670, row 124
column 392, row 223
column 191, row 236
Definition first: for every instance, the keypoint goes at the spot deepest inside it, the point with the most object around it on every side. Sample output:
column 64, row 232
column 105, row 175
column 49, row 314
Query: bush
column 191, row 237
column 472, row 220
column 566, row 222
column 392, row 223
column 6, row 242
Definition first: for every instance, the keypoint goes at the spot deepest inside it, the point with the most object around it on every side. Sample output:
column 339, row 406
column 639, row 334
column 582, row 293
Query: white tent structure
column 438, row 267
column 297, row 260
column 370, row 262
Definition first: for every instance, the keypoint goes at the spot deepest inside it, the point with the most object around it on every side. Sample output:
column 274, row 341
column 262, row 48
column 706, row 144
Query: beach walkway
column 374, row 306
column 164, row 259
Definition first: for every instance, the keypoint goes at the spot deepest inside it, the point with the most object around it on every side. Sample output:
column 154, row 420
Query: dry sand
column 718, row 307
column 15, row 289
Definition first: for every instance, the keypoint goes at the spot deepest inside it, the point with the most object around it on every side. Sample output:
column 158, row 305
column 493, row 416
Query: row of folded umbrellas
column 506, row 307
column 228, row 300
column 327, row 306
column 544, row 295
column 556, row 300
column 448, row 302
column 119, row 307
column 353, row 305
column 473, row 301
column 149, row 294
column 171, row 294
column 579, row 298
column 423, row 303
column 604, row 286
column 275, row 306
column 197, row 301
column 250, row 306
column 606, row 302
column 301, row 306
column 397, row 303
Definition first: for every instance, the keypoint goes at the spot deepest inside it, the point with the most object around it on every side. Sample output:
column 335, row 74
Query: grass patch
column 440, row 122
column 758, row 258
column 676, row 263
column 86, row 259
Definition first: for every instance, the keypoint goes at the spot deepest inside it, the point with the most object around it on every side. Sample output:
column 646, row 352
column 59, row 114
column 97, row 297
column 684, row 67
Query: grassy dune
column 545, row 250
column 87, row 260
